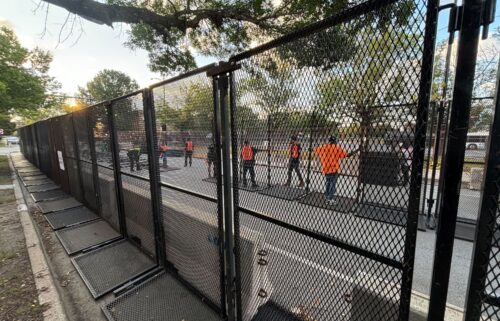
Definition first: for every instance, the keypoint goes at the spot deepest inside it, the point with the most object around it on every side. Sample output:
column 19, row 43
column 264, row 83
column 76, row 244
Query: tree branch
column 108, row 14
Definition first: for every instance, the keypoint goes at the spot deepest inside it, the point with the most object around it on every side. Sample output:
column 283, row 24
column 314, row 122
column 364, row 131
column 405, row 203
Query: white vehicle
column 477, row 140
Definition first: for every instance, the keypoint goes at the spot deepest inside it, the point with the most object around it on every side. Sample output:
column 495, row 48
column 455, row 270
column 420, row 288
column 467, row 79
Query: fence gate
column 320, row 200
column 483, row 301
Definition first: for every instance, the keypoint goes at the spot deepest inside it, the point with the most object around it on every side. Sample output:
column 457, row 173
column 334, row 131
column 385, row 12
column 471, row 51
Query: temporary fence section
column 191, row 184
column 483, row 300
column 352, row 120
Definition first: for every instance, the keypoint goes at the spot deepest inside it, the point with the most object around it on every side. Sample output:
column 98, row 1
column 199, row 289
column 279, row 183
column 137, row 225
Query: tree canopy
column 106, row 85
column 27, row 92
column 173, row 31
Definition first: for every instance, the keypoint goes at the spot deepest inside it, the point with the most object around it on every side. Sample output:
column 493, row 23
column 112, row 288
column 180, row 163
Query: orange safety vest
column 247, row 153
column 330, row 156
column 294, row 151
column 189, row 146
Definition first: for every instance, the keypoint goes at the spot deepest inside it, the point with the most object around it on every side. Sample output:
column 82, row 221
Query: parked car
column 12, row 140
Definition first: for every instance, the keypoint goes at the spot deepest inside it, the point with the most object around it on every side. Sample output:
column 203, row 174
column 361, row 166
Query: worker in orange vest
column 188, row 152
column 248, row 156
column 330, row 155
column 294, row 161
column 163, row 153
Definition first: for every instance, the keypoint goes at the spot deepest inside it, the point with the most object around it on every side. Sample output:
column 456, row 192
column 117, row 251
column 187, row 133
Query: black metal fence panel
column 82, row 134
column 328, row 149
column 128, row 120
column 184, row 112
column 70, row 157
column 43, row 147
column 103, row 150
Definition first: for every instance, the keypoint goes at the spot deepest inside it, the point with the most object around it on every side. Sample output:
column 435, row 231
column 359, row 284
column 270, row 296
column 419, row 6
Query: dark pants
column 164, row 157
column 210, row 163
column 134, row 156
column 294, row 165
column 406, row 173
column 249, row 166
column 188, row 155
column 331, row 185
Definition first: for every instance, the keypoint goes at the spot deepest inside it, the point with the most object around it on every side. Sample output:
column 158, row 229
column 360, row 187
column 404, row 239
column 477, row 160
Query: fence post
column 455, row 152
column 424, row 96
column 77, row 157
column 225, row 131
column 486, row 224
column 220, row 203
column 115, row 153
column 154, row 174
column 93, row 159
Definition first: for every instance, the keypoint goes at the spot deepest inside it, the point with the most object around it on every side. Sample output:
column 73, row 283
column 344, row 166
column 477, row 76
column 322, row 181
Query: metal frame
column 115, row 155
column 487, row 224
column 154, row 175
column 455, row 152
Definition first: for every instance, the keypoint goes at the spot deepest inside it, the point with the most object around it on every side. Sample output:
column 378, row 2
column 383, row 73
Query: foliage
column 27, row 92
column 106, row 85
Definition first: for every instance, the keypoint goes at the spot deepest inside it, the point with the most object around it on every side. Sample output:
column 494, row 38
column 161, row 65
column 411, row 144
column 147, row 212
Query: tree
column 27, row 92
column 171, row 31
column 106, row 85
column 21, row 88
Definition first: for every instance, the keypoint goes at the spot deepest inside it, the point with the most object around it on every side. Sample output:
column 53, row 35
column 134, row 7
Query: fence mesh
column 339, row 125
column 128, row 120
column 184, row 113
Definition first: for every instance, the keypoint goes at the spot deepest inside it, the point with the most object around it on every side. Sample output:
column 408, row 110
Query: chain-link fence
column 284, row 184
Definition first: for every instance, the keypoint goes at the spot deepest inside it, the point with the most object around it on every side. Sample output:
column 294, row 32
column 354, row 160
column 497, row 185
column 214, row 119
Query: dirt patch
column 5, row 177
column 18, row 294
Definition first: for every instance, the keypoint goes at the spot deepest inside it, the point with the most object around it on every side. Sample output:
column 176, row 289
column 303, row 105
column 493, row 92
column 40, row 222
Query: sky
column 77, row 60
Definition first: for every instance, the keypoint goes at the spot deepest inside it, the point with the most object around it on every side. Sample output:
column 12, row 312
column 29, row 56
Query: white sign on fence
column 61, row 160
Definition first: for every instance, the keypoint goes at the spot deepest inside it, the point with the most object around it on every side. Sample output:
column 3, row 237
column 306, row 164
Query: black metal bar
column 427, row 165
column 269, row 121
column 93, row 157
column 77, row 154
column 220, row 204
column 455, row 152
column 435, row 160
column 182, row 76
column 326, row 239
column 487, row 222
column 115, row 153
column 236, row 194
column 443, row 157
column 228, row 195
column 424, row 97
column 312, row 126
column 188, row 192
column 154, row 175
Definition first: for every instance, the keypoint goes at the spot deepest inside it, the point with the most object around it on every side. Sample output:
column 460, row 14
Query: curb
column 47, row 293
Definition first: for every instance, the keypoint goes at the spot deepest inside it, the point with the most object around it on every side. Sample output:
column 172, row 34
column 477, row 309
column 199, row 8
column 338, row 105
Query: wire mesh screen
column 61, row 177
column 43, row 146
column 70, row 156
column 36, row 159
column 103, row 151
column 323, row 146
column 82, row 134
column 184, row 113
column 128, row 120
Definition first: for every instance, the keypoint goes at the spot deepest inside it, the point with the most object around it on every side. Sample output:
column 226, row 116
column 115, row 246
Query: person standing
column 407, row 153
column 294, row 161
column 134, row 154
column 248, row 155
column 188, row 152
column 330, row 156
column 211, row 160
column 163, row 154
